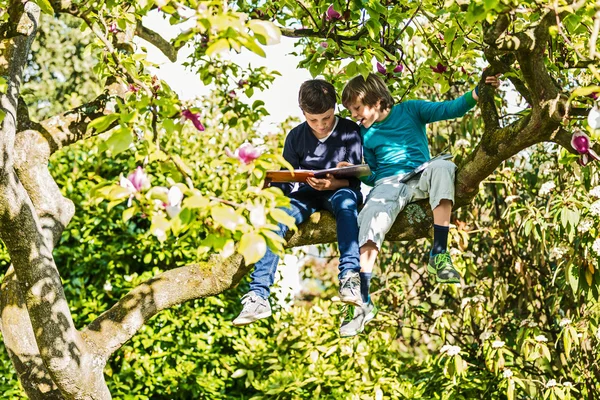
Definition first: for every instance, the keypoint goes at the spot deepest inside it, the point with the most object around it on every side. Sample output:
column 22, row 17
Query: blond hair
column 369, row 91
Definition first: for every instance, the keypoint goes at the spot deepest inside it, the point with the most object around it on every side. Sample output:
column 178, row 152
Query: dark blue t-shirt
column 304, row 151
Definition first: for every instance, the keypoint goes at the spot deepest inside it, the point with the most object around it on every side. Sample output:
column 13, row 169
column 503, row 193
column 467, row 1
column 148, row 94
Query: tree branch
column 157, row 41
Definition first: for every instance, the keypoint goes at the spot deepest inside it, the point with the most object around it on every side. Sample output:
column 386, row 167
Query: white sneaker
column 255, row 308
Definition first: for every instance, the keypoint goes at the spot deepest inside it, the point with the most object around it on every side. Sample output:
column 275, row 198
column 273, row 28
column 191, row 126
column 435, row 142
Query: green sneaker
column 356, row 318
column 441, row 266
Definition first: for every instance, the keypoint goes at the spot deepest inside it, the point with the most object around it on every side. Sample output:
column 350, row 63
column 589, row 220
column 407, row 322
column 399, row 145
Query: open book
column 421, row 168
column 300, row 175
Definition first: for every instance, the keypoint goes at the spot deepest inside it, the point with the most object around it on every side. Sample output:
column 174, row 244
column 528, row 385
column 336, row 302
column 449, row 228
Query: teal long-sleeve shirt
column 398, row 144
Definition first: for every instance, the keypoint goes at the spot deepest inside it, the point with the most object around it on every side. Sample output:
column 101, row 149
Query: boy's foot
column 350, row 289
column 356, row 318
column 255, row 308
column 441, row 266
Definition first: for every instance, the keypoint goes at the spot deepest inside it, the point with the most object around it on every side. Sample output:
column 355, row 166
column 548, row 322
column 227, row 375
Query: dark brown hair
column 369, row 91
column 317, row 96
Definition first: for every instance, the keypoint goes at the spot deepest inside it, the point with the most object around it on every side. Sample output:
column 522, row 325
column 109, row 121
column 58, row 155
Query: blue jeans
column 343, row 204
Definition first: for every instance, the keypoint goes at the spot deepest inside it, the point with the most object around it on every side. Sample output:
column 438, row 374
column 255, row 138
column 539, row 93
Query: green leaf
column 102, row 123
column 45, row 6
column 282, row 217
column 196, row 201
column 373, row 27
column 266, row 29
column 220, row 46
column 227, row 217
column 252, row 247
column 238, row 373
column 128, row 213
column 3, row 85
column 119, row 141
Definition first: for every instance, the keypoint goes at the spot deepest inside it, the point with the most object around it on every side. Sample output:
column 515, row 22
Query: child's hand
column 493, row 80
column 343, row 164
column 328, row 183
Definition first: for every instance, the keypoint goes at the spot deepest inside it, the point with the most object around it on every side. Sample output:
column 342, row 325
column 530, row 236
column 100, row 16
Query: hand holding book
column 301, row 175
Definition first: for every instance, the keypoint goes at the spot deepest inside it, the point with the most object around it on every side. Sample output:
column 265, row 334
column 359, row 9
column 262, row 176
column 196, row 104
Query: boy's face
column 321, row 124
column 366, row 115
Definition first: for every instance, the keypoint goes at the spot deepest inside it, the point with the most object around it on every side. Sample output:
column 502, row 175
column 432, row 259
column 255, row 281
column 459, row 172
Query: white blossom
column 529, row 323
column 541, row 338
column 558, row 252
column 450, row 350
column 546, row 188
column 596, row 246
column 496, row 344
column 454, row 252
column 595, row 192
column 567, row 384
column 551, row 383
column 511, row 199
column 595, row 208
column 585, row 225
column 564, row 322
column 439, row 313
column 465, row 301
column 507, row 373
column 546, row 168
column 107, row 286
column 485, row 336
column 128, row 278
column 462, row 143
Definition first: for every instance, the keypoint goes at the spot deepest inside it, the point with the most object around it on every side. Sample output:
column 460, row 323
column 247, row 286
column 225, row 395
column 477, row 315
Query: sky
column 281, row 99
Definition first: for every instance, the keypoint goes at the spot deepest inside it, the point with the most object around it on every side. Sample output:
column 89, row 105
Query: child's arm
column 371, row 160
column 438, row 111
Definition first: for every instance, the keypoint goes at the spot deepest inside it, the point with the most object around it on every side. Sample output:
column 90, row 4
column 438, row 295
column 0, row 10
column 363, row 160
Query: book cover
column 300, row 175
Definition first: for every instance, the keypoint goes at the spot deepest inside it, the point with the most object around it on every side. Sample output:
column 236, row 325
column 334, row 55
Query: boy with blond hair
column 394, row 144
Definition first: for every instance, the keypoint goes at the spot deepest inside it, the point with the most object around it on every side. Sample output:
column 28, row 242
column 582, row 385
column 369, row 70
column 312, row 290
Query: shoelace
column 348, row 310
column 249, row 298
column 351, row 281
column 441, row 260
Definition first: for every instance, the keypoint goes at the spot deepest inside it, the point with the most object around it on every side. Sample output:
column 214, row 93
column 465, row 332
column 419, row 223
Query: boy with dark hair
column 394, row 144
column 321, row 142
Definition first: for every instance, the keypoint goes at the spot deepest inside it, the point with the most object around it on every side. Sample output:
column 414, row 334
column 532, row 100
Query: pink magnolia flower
column 232, row 94
column 381, row 69
column 581, row 143
column 194, row 117
column 324, row 45
column 439, row 68
column 133, row 88
column 331, row 14
column 135, row 182
column 399, row 68
column 112, row 28
column 246, row 153
column 242, row 82
column 139, row 180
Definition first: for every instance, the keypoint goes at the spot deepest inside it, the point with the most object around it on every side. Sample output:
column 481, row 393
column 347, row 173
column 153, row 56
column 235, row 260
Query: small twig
column 229, row 203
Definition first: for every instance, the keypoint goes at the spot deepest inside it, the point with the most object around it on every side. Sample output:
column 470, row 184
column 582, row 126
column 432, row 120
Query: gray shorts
column 388, row 197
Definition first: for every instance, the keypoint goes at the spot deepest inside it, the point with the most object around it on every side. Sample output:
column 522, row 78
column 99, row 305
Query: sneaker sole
column 355, row 301
column 249, row 320
column 367, row 319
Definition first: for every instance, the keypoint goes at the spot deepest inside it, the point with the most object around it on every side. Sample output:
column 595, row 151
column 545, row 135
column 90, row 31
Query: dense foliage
column 166, row 183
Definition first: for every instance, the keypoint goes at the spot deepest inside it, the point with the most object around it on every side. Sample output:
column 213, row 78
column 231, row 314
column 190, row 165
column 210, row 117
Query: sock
column 440, row 239
column 365, row 283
